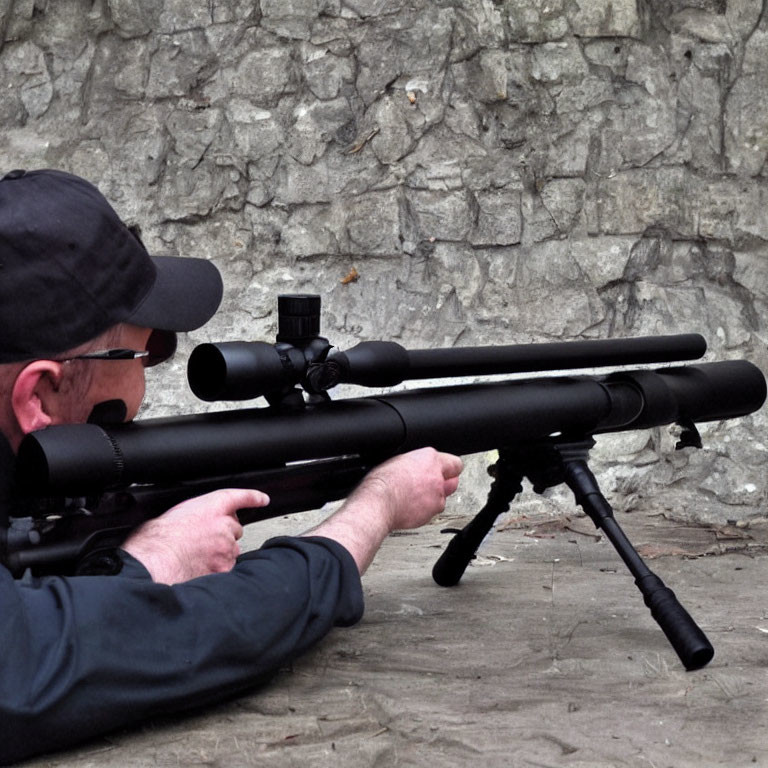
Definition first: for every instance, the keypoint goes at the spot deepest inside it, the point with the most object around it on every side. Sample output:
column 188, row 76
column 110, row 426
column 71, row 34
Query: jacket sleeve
column 80, row 656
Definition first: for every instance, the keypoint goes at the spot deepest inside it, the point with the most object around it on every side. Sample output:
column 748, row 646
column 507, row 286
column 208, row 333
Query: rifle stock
column 92, row 527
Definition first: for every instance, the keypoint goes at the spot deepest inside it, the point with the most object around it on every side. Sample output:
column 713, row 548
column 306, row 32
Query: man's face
column 119, row 379
column 44, row 392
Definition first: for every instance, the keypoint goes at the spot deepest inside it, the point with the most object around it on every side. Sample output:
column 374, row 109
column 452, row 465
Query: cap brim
column 186, row 294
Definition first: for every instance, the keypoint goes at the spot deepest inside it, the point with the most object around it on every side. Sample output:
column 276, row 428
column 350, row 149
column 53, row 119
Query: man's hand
column 414, row 486
column 404, row 492
column 194, row 538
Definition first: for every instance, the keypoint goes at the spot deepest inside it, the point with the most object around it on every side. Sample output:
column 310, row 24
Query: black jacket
column 82, row 655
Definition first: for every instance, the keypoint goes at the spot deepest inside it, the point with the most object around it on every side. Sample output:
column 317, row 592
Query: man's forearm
column 361, row 524
column 404, row 492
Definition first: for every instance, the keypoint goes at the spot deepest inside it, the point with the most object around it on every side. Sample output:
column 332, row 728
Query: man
column 83, row 310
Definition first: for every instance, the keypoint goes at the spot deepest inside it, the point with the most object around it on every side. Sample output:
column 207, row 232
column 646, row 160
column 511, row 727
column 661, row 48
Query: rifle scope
column 241, row 370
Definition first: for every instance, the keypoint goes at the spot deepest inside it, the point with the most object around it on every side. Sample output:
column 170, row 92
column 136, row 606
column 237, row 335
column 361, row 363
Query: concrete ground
column 544, row 655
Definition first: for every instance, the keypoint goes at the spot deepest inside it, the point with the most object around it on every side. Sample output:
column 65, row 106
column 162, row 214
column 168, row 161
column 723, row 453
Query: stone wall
column 443, row 172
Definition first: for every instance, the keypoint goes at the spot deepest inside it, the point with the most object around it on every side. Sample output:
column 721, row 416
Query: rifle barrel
column 86, row 458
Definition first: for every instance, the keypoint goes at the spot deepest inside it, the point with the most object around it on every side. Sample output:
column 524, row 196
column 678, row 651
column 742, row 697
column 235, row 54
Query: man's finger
column 246, row 497
column 450, row 485
column 452, row 465
column 237, row 498
column 236, row 527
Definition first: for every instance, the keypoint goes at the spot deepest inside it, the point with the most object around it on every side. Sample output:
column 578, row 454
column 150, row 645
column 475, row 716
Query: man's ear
column 34, row 393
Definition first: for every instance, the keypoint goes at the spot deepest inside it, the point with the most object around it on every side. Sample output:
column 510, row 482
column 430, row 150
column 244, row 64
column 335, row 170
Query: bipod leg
column 686, row 637
column 507, row 483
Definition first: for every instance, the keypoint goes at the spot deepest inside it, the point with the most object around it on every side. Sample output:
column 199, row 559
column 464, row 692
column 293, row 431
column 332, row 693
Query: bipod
column 507, row 483
column 549, row 463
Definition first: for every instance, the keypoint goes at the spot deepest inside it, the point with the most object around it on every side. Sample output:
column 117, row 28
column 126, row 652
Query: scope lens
column 207, row 372
column 236, row 370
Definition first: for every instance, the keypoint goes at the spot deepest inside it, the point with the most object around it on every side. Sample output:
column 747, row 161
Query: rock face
column 494, row 171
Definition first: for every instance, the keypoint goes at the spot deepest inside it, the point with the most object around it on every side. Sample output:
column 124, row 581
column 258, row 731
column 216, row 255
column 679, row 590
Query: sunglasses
column 161, row 346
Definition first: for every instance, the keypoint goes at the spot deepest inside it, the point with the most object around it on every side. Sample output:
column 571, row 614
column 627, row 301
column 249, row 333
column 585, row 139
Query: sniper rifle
column 85, row 487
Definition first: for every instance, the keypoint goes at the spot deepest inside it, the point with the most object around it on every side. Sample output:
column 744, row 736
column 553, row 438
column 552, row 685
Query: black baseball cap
column 70, row 269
